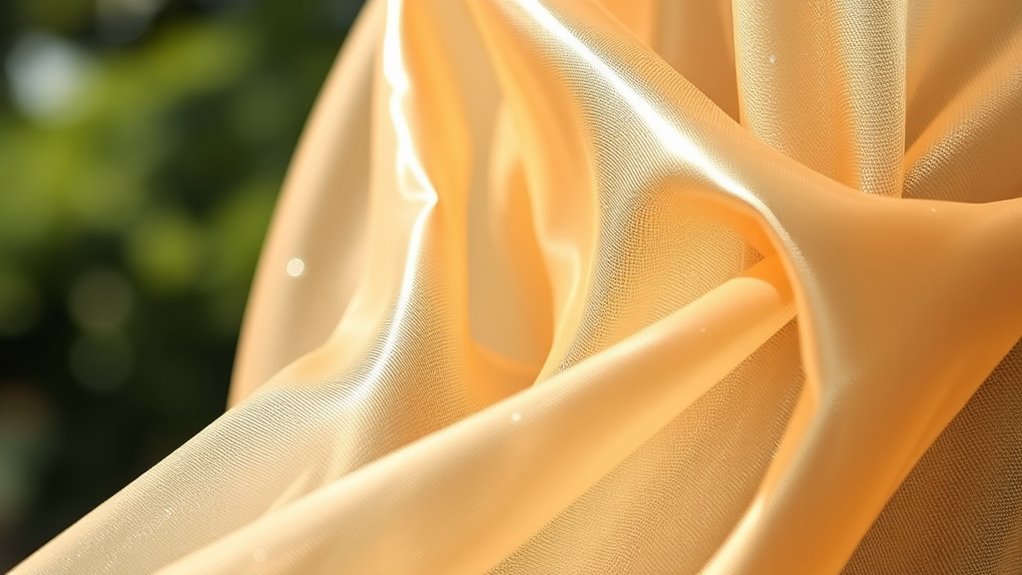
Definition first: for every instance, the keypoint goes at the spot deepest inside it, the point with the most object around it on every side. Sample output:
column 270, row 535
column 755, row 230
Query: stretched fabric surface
column 631, row 286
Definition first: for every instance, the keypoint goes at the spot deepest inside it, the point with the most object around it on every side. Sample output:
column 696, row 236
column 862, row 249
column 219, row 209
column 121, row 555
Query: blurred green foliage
column 142, row 143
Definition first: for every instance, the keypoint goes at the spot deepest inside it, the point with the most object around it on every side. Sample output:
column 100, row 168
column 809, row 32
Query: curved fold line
column 461, row 499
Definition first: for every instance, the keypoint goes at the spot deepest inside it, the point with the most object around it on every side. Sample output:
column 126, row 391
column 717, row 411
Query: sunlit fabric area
column 549, row 286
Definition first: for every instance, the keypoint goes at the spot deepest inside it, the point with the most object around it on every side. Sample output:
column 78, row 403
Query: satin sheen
column 658, row 286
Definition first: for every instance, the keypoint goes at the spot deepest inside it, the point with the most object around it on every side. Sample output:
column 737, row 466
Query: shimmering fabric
column 660, row 286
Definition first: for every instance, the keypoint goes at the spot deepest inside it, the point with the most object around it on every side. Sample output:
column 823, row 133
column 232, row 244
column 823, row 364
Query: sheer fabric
column 658, row 286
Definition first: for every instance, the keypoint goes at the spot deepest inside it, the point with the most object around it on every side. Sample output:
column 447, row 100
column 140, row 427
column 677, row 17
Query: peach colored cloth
column 632, row 286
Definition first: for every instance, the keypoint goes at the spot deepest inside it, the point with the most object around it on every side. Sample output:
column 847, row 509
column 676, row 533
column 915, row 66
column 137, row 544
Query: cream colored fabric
column 632, row 286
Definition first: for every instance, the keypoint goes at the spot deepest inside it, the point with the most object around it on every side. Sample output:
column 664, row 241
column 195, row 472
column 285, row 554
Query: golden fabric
column 661, row 286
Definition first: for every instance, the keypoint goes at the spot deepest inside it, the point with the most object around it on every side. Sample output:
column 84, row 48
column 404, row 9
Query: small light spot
column 516, row 417
column 46, row 76
column 295, row 267
column 773, row 58
column 702, row 330
column 933, row 210
column 167, row 512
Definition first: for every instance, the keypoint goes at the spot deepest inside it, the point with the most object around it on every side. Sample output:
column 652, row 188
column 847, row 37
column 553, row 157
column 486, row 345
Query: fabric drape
column 624, row 286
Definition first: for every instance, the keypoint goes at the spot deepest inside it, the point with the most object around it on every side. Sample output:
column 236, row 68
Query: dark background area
column 142, row 144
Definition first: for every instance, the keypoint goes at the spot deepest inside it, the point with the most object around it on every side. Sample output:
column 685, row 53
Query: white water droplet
column 295, row 267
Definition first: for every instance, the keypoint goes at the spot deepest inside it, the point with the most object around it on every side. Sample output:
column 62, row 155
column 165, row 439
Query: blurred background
column 142, row 144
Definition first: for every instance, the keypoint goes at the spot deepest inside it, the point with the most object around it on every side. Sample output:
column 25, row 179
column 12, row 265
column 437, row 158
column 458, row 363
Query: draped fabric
column 631, row 286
